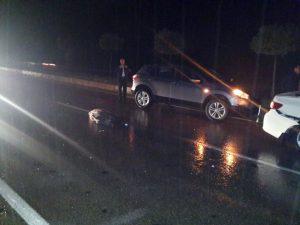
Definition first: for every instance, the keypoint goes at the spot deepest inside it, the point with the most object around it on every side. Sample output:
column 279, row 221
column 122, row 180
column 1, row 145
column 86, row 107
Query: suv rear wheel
column 143, row 98
column 216, row 109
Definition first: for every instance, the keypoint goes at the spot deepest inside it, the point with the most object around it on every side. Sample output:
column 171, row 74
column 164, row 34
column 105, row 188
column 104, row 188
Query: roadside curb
column 65, row 80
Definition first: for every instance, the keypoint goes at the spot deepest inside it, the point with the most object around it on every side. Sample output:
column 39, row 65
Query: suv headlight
column 240, row 93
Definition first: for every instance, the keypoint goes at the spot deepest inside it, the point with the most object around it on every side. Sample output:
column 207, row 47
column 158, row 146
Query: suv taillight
column 135, row 77
column 275, row 105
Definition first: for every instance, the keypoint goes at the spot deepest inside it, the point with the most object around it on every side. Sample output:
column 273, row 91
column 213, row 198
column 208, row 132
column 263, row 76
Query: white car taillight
column 275, row 105
column 135, row 77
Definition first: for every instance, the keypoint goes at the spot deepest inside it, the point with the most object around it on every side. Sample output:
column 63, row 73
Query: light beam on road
column 62, row 136
column 32, row 148
column 28, row 214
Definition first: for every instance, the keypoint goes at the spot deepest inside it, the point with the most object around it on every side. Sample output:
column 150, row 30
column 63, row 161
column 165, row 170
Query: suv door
column 162, row 81
column 186, row 90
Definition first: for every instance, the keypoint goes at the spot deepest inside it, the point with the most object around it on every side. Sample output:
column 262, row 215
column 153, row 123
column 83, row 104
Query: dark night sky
column 83, row 22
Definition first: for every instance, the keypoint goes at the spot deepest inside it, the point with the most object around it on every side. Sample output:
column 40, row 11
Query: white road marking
column 71, row 106
column 241, row 118
column 28, row 214
column 181, row 107
column 128, row 218
column 199, row 110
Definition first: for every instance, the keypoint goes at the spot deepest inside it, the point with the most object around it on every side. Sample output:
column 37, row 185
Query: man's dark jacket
column 119, row 71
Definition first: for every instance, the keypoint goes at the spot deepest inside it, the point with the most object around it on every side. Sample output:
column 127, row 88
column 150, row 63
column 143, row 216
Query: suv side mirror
column 196, row 81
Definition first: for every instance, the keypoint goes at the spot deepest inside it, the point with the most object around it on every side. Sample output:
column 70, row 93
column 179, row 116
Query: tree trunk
column 183, row 22
column 110, row 62
column 274, row 76
column 255, row 77
column 218, row 30
column 257, row 63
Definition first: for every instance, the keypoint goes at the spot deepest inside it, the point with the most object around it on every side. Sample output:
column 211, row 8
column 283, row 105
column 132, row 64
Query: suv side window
column 181, row 76
column 198, row 76
column 166, row 73
column 155, row 71
column 146, row 70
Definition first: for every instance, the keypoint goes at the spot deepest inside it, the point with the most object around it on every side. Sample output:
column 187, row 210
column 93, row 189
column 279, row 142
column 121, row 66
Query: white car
column 283, row 119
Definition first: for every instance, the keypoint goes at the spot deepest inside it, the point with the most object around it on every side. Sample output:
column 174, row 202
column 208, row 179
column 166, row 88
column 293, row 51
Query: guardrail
column 64, row 79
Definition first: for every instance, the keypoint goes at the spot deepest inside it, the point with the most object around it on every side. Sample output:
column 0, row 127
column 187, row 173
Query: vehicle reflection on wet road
column 175, row 164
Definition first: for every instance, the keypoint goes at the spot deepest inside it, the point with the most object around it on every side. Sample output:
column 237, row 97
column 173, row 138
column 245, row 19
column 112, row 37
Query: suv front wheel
column 216, row 109
column 143, row 98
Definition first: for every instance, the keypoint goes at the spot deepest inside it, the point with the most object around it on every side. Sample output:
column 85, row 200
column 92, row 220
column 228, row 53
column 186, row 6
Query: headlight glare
column 240, row 93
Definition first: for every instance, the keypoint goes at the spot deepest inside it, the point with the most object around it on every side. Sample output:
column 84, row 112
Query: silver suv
column 156, row 83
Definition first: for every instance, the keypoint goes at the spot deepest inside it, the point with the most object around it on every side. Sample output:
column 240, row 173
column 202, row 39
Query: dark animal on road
column 104, row 118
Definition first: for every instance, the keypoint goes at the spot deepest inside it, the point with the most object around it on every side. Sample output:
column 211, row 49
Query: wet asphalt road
column 169, row 166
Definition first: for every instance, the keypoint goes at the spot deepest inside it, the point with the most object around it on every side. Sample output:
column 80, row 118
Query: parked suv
column 155, row 83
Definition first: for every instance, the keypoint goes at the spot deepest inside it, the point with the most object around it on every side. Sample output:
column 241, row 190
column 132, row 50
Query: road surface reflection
column 229, row 157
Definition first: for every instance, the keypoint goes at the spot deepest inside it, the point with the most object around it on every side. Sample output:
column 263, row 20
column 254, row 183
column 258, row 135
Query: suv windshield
column 147, row 70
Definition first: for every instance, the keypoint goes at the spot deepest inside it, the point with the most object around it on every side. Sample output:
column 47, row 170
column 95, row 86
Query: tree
column 161, row 40
column 275, row 40
column 111, row 43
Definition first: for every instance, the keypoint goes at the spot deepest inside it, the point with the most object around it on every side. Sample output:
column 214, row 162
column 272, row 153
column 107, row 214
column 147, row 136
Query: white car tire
column 295, row 137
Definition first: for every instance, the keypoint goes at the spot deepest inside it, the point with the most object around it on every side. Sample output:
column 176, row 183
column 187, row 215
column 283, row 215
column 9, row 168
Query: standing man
column 292, row 81
column 123, row 74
